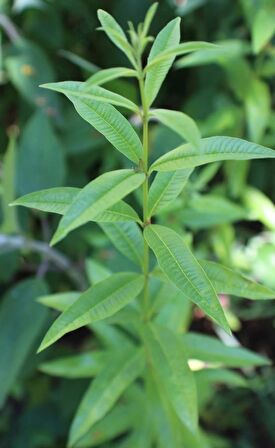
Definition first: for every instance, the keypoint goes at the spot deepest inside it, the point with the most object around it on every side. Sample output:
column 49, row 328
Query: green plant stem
column 145, row 192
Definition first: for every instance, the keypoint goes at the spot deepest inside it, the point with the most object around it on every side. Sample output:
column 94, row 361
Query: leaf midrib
column 126, row 141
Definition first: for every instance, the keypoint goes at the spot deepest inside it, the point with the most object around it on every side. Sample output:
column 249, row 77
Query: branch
column 12, row 242
column 9, row 28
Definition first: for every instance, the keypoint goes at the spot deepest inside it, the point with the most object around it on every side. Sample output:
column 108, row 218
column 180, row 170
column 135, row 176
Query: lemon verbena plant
column 145, row 386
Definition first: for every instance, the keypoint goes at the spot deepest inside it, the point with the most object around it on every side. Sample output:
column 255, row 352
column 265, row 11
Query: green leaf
column 228, row 281
column 58, row 200
column 260, row 206
column 183, row 269
column 85, row 365
column 109, row 74
column 168, row 37
column 212, row 149
column 99, row 302
column 225, row 50
column 168, row 357
column 115, row 34
column 117, row 422
column 148, row 18
column 165, row 188
column 223, row 376
column 96, row 271
column 10, row 224
column 183, row 48
column 80, row 90
column 179, row 122
column 204, row 211
column 21, row 322
column 96, row 197
column 59, row 301
column 210, row 349
column 40, row 161
column 112, row 124
column 263, row 28
column 127, row 238
column 53, row 200
column 258, row 109
column 105, row 390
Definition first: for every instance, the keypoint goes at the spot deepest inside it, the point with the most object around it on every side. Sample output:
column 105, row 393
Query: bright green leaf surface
column 109, row 74
column 179, row 122
column 81, row 90
column 228, row 281
column 168, row 357
column 212, row 149
column 105, row 391
column 127, row 238
column 96, row 197
column 210, row 349
column 99, row 302
column 165, row 188
column 58, row 200
column 168, row 37
column 85, row 365
column 183, row 269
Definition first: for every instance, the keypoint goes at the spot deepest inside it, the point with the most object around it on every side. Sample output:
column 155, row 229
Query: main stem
column 145, row 191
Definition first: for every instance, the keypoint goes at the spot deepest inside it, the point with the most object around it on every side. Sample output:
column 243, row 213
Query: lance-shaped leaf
column 168, row 357
column 263, row 27
column 117, row 422
column 212, row 149
column 99, row 302
column 179, row 122
column 95, row 93
column 58, row 200
column 9, row 224
column 210, row 349
column 59, row 301
column 228, row 281
column 109, row 74
column 85, row 365
column 148, row 18
column 115, row 33
column 106, row 119
column 96, row 197
column 183, row 48
column 127, row 238
column 112, row 124
column 168, row 37
column 165, row 188
column 105, row 390
column 183, row 269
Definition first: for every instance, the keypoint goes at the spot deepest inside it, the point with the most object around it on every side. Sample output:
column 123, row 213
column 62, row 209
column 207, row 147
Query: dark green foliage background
column 55, row 148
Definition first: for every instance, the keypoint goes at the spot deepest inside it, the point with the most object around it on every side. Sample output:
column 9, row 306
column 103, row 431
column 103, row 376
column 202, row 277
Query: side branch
column 13, row 242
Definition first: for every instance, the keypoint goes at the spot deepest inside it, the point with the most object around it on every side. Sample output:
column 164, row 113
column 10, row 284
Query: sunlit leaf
column 210, row 349
column 98, row 302
column 212, row 149
column 228, row 281
column 168, row 37
column 168, row 357
column 165, row 188
column 179, row 122
column 183, row 269
column 127, row 238
column 84, row 91
column 109, row 74
column 105, row 391
column 96, row 197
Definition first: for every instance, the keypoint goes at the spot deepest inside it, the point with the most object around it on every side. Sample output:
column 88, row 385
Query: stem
column 13, row 242
column 145, row 190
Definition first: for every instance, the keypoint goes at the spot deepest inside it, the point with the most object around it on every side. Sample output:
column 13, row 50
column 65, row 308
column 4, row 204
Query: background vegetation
column 228, row 206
